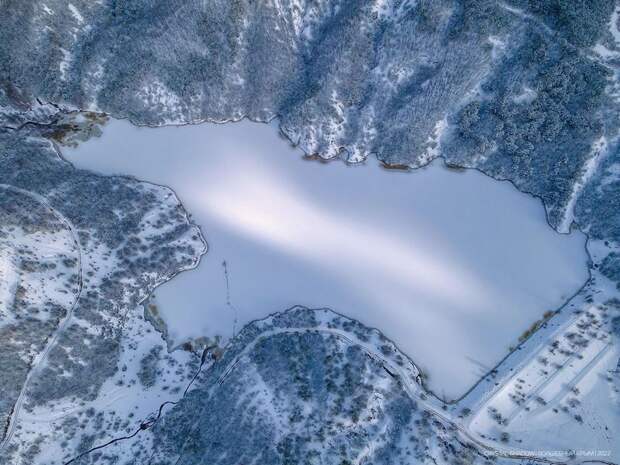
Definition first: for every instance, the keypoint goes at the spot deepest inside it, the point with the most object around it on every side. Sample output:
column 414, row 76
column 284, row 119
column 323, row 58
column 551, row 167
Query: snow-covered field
column 452, row 266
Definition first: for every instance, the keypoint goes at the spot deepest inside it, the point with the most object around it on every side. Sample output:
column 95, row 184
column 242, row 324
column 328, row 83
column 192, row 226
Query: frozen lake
column 452, row 266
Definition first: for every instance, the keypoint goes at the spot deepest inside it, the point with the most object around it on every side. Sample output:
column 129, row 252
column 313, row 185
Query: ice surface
column 452, row 266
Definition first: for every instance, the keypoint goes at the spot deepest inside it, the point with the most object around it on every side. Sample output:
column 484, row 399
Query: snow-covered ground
column 50, row 282
column 452, row 266
column 125, row 401
column 558, row 395
column 54, row 272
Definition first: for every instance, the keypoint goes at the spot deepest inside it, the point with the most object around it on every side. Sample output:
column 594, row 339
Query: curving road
column 41, row 356
column 408, row 377
column 412, row 388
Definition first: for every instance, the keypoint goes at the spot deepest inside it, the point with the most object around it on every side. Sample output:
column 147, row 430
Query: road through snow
column 64, row 323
